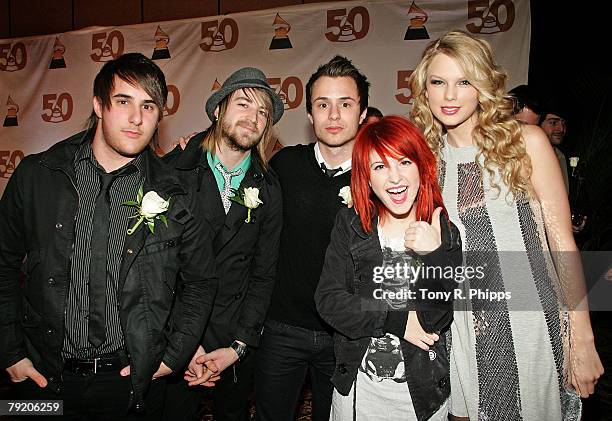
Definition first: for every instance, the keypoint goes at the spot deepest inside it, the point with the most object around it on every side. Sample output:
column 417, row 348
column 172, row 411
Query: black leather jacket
column 345, row 289
column 37, row 214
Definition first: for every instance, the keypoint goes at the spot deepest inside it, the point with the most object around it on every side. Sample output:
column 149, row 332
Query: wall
column 19, row 18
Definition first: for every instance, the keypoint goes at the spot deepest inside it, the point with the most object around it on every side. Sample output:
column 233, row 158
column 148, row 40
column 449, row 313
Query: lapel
column 160, row 179
column 365, row 244
column 234, row 220
column 213, row 210
column 193, row 159
column 61, row 155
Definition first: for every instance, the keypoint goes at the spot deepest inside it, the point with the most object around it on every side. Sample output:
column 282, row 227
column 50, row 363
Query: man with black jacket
column 295, row 339
column 225, row 166
column 92, row 324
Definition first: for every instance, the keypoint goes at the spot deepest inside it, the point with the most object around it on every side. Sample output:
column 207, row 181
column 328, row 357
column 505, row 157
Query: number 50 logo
column 106, row 48
column 173, row 102
column 345, row 27
column 490, row 18
column 13, row 57
column 57, row 108
column 9, row 161
column 219, row 35
column 404, row 94
column 290, row 90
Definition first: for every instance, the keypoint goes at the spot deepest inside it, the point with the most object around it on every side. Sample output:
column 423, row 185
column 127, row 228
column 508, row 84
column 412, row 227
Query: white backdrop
column 46, row 82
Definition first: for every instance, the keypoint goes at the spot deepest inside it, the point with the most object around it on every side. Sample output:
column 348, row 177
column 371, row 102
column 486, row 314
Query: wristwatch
column 240, row 349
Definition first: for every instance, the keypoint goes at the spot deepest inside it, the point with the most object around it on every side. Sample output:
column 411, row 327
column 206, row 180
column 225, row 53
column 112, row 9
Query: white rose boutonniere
column 247, row 197
column 573, row 164
column 574, row 161
column 149, row 207
column 345, row 194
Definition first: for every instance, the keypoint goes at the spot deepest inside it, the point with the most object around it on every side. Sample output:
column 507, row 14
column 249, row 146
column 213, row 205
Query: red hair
column 396, row 137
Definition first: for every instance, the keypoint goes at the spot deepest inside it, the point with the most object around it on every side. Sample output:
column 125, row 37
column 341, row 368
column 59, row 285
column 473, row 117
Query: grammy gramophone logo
column 416, row 28
column 12, row 108
column 281, row 30
column 57, row 58
column 161, row 50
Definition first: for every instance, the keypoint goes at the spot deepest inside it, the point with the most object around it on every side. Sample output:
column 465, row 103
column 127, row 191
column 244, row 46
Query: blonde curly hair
column 497, row 134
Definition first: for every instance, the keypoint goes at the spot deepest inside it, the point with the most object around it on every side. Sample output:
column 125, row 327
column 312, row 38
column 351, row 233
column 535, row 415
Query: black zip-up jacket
column 346, row 289
column 246, row 253
column 37, row 222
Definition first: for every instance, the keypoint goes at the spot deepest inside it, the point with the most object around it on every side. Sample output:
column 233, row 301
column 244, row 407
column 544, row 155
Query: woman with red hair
column 376, row 285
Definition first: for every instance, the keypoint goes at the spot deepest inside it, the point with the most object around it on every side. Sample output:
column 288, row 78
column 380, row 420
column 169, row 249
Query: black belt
column 102, row 364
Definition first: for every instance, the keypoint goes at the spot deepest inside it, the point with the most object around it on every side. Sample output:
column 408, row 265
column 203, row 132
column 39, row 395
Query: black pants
column 286, row 353
column 230, row 394
column 102, row 396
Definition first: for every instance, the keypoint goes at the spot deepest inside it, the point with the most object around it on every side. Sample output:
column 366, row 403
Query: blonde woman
column 530, row 355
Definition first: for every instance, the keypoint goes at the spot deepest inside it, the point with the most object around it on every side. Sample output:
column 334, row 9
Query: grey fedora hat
column 247, row 77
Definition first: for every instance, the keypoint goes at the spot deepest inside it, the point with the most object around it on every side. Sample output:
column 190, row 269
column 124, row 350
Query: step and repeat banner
column 46, row 82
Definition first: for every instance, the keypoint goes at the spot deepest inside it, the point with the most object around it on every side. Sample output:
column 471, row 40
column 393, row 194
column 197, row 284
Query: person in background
column 373, row 114
column 527, row 107
column 554, row 124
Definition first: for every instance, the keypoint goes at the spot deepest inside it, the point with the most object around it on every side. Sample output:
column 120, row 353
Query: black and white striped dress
column 508, row 360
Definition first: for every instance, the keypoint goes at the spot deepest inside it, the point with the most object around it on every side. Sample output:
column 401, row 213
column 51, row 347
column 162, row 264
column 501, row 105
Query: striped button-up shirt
column 124, row 187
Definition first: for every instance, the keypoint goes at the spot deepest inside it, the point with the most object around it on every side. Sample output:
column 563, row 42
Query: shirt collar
column 85, row 152
column 345, row 166
column 214, row 160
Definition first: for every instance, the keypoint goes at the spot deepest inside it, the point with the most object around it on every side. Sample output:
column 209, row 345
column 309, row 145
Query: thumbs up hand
column 422, row 237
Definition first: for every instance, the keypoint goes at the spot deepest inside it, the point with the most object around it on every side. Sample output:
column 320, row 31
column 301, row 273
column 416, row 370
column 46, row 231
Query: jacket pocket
column 158, row 265
column 164, row 245
column 161, row 260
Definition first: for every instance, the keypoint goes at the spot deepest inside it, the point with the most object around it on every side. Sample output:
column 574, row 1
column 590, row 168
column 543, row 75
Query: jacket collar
column 358, row 228
column 157, row 177
column 192, row 156
column 61, row 155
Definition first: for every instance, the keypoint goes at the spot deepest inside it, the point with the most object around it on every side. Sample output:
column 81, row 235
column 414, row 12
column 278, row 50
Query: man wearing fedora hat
column 225, row 165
